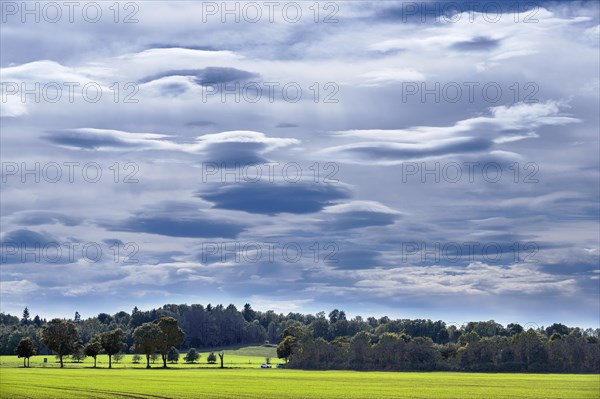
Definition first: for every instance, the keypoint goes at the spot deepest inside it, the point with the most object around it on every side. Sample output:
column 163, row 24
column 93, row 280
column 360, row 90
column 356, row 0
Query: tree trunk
column 164, row 358
column 110, row 361
column 61, row 362
column 94, row 361
column 27, row 362
column 221, row 355
column 24, row 363
column 147, row 361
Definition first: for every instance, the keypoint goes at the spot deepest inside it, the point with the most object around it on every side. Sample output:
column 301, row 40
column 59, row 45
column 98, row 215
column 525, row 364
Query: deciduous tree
column 285, row 347
column 211, row 359
column 191, row 356
column 112, row 343
column 173, row 355
column 25, row 349
column 78, row 352
column 147, row 338
column 60, row 336
column 93, row 348
column 172, row 335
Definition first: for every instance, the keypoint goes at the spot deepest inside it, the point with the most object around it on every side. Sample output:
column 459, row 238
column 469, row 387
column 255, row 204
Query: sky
column 417, row 160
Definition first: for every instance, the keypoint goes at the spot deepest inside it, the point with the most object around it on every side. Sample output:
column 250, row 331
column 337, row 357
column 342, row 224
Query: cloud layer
column 382, row 159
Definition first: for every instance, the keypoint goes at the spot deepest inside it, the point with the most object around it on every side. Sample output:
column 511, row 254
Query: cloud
column 103, row 139
column 593, row 34
column 200, row 123
column 386, row 76
column 176, row 219
column 23, row 245
column 274, row 198
column 436, row 12
column 355, row 259
column 478, row 43
column 206, row 76
column 247, row 137
column 353, row 220
column 13, row 107
column 358, row 214
column 27, row 238
column 111, row 242
column 179, row 46
column 36, row 218
column 279, row 306
column 22, row 288
column 541, row 201
column 243, row 143
column 478, row 134
column 572, row 267
column 230, row 154
column 193, row 226
column 367, row 56
column 239, row 147
column 477, row 278
column 382, row 152
column 285, row 125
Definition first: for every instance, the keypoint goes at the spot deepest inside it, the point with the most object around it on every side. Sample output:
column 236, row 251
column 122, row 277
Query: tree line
column 62, row 337
column 388, row 347
column 308, row 341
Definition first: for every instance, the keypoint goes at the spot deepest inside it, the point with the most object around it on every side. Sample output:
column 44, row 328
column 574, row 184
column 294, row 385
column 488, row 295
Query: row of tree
column 62, row 337
column 158, row 337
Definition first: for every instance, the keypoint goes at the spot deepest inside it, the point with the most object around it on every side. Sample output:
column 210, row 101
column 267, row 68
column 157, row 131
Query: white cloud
column 427, row 141
column 386, row 76
column 361, row 206
column 104, row 139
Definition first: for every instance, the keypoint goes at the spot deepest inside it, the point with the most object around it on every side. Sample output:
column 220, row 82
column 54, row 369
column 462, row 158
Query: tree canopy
column 60, row 336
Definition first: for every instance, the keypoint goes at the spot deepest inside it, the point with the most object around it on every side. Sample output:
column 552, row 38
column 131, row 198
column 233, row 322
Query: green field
column 243, row 357
column 277, row 383
column 243, row 378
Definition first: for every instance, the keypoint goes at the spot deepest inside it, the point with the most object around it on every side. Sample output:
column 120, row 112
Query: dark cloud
column 192, row 227
column 479, row 43
column 433, row 11
column 270, row 198
column 572, row 268
column 355, row 259
column 206, row 76
column 382, row 151
column 36, row 218
column 86, row 140
column 199, row 123
column 111, row 242
column 27, row 238
column 173, row 89
column 357, row 219
column 231, row 154
column 285, row 125
column 178, row 219
column 173, row 45
column 26, row 246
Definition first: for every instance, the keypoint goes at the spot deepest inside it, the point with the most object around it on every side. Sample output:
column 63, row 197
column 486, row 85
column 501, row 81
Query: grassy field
column 280, row 383
column 243, row 357
column 243, row 378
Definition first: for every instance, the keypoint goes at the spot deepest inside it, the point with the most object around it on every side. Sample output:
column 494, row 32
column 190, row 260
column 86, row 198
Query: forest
column 329, row 341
